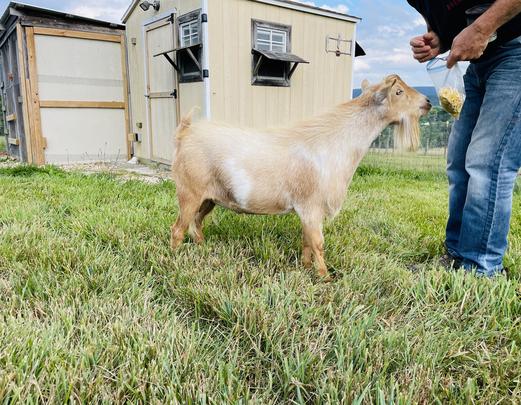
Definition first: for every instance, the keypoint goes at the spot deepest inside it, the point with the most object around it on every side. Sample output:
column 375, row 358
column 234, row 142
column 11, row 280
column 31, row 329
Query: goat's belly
column 255, row 209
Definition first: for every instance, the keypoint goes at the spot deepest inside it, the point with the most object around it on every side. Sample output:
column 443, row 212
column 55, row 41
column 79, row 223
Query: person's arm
column 472, row 41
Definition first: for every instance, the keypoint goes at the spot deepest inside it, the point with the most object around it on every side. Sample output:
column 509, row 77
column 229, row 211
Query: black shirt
column 447, row 19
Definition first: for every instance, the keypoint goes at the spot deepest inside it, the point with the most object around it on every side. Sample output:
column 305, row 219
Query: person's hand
column 426, row 47
column 468, row 45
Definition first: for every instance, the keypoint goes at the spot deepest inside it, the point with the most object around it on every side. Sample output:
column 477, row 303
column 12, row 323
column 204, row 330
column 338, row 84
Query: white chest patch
column 319, row 160
column 241, row 183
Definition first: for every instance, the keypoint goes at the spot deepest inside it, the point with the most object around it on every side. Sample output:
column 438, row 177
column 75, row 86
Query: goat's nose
column 429, row 101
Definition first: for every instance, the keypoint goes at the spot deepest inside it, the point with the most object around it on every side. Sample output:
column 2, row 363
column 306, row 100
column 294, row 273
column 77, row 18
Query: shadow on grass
column 261, row 238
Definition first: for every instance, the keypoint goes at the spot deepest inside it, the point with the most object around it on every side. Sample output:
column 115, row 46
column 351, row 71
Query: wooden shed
column 254, row 63
column 64, row 87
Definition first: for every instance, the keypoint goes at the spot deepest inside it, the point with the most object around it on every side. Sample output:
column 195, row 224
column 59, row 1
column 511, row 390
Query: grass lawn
column 95, row 307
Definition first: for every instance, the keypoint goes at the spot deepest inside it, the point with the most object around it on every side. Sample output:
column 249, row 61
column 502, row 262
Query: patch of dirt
column 151, row 174
column 6, row 161
column 124, row 171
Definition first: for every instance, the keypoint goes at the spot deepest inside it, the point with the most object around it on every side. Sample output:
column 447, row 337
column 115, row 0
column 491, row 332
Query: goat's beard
column 407, row 132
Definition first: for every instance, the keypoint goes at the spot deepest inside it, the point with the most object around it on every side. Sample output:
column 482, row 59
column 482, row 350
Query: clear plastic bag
column 449, row 85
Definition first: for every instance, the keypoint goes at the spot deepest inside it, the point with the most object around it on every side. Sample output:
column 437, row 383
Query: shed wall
column 70, row 69
column 84, row 134
column 324, row 82
column 78, row 95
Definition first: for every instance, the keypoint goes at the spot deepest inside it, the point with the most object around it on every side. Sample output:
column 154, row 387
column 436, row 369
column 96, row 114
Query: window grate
column 189, row 33
column 189, row 54
column 271, row 40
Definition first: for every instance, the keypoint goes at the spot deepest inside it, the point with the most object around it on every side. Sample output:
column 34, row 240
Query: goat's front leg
column 314, row 242
column 188, row 208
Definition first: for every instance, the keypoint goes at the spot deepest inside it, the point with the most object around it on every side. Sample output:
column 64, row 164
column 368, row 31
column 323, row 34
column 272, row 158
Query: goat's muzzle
column 426, row 107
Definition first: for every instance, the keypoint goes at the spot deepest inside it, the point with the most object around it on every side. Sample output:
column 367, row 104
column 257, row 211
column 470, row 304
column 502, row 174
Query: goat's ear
column 384, row 91
column 381, row 95
column 391, row 80
column 365, row 85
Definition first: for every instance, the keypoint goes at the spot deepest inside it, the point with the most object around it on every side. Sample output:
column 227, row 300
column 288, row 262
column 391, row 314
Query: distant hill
column 428, row 91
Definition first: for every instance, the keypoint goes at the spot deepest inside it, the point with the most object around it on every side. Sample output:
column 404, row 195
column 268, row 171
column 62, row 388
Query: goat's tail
column 185, row 124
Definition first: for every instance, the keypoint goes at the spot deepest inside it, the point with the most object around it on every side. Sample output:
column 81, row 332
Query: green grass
column 413, row 165
column 94, row 307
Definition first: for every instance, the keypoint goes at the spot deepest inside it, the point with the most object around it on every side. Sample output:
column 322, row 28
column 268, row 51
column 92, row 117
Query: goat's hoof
column 307, row 264
column 324, row 276
column 174, row 244
column 196, row 237
column 327, row 279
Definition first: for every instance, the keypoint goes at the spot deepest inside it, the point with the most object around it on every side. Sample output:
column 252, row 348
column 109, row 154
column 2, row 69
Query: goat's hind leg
column 188, row 207
column 196, row 227
column 307, row 252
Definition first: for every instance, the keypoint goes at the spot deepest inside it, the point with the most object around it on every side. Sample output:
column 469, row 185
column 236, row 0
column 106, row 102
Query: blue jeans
column 484, row 157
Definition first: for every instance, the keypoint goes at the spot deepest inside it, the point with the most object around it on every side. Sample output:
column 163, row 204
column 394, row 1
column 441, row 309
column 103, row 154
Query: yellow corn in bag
column 451, row 101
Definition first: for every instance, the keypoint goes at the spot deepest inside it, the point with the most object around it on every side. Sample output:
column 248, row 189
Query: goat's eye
column 399, row 92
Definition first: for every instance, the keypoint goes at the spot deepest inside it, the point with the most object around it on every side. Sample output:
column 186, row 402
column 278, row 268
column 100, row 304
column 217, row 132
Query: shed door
column 161, row 91
column 82, row 91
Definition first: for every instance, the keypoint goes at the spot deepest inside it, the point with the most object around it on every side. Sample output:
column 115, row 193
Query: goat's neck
column 355, row 131
column 360, row 131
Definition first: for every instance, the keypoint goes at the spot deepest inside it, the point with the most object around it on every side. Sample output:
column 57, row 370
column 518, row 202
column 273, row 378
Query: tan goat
column 304, row 168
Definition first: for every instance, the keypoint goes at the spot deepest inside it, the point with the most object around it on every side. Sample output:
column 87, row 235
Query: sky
column 384, row 32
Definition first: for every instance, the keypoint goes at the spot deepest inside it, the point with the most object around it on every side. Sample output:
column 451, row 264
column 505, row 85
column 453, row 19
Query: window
column 189, row 33
column 189, row 53
column 271, row 40
column 272, row 60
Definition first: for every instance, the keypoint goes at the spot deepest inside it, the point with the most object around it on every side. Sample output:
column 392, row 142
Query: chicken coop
column 64, row 86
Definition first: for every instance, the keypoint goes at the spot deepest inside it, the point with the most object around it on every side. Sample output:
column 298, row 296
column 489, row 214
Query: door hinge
column 174, row 94
column 204, row 18
column 206, row 73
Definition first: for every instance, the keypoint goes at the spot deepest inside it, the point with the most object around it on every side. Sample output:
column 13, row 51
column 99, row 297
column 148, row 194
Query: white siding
column 324, row 82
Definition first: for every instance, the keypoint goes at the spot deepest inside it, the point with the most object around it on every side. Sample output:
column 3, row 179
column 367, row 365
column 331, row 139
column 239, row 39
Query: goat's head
column 400, row 105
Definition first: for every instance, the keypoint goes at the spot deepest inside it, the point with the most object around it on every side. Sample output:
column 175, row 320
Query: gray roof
column 15, row 8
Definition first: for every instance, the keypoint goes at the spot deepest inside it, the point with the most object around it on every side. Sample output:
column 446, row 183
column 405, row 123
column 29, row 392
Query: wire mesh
column 434, row 135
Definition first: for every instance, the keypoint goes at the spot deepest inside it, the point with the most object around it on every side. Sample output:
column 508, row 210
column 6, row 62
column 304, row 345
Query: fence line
column 434, row 137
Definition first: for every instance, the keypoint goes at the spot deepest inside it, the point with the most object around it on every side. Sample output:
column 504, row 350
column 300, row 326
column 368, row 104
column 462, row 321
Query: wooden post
column 77, row 34
column 34, row 101
column 125, row 93
column 25, row 93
